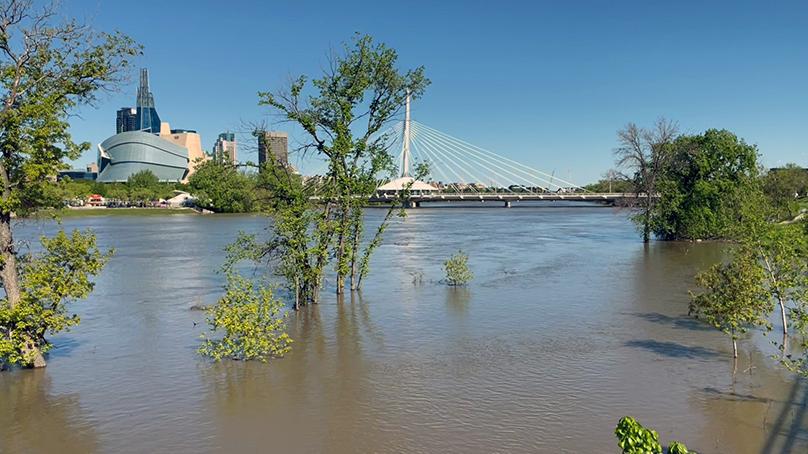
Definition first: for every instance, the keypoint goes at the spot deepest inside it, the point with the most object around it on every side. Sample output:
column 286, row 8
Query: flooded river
column 570, row 323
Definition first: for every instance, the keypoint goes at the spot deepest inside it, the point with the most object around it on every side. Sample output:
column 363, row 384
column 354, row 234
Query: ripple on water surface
column 569, row 324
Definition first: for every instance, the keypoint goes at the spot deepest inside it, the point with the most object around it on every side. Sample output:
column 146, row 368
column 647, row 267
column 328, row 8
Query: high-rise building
column 147, row 118
column 225, row 147
column 126, row 120
column 273, row 145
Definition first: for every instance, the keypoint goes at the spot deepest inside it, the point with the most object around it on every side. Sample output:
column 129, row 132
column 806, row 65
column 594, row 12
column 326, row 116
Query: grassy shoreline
column 89, row 212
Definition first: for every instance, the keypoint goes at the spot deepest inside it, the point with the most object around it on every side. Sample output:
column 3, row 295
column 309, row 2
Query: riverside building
column 144, row 142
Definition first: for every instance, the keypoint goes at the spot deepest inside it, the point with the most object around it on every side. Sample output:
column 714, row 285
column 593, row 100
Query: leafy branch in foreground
column 633, row 438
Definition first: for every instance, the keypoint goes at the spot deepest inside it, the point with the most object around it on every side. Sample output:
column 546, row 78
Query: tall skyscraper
column 126, row 120
column 273, row 145
column 147, row 118
column 225, row 147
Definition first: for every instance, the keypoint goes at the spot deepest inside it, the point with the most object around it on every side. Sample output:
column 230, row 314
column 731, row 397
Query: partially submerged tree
column 703, row 186
column 734, row 296
column 246, row 323
column 343, row 116
column 688, row 186
column 645, row 153
column 47, row 68
column 457, row 269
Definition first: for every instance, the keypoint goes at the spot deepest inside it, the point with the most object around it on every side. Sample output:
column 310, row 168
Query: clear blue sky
column 545, row 83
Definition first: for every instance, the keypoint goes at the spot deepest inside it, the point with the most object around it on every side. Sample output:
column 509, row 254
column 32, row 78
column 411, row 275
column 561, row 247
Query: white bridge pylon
column 459, row 166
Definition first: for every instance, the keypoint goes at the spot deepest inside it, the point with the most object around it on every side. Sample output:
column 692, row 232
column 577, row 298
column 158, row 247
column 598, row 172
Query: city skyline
column 532, row 85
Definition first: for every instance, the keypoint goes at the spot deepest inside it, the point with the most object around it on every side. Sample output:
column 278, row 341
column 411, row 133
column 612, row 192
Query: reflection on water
column 570, row 323
column 34, row 419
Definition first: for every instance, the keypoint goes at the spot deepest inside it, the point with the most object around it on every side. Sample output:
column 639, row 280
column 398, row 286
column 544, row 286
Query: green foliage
column 50, row 280
column 678, row 448
column 702, row 186
column 784, row 187
column 457, row 269
column 247, row 323
column 342, row 114
column 698, row 183
column 143, row 179
column 633, row 438
column 219, row 186
column 734, row 295
column 612, row 181
column 49, row 65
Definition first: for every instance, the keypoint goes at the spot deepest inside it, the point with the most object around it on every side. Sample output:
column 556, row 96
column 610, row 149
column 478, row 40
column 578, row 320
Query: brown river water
column 570, row 323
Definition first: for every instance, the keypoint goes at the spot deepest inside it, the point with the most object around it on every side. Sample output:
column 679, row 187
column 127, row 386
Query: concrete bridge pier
column 507, row 204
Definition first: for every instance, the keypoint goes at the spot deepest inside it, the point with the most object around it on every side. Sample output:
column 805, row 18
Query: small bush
column 457, row 269
column 633, row 438
column 251, row 321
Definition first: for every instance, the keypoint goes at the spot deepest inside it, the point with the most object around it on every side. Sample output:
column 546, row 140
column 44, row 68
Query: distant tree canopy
column 784, row 188
column 219, row 186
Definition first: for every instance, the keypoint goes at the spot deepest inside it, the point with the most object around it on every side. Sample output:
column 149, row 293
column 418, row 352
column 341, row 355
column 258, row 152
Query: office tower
column 225, row 147
column 126, row 120
column 273, row 145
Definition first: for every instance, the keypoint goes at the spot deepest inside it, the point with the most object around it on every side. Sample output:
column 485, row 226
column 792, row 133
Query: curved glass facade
column 127, row 153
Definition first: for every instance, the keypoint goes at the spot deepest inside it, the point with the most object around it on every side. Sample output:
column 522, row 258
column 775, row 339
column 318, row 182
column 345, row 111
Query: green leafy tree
column 247, row 323
column 457, row 269
column 143, row 179
column 612, row 181
column 784, row 187
column 734, row 296
column 703, row 185
column 219, row 186
column 342, row 116
column 688, row 186
column 48, row 66
column 50, row 280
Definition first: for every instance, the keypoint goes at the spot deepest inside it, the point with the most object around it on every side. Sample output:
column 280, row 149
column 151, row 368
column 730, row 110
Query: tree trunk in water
column 776, row 285
column 355, row 254
column 11, row 283
column 8, row 262
column 646, row 229
column 783, row 315
column 734, row 348
column 297, row 294
column 341, row 257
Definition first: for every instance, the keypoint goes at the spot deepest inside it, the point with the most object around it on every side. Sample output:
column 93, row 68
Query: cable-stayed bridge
column 460, row 171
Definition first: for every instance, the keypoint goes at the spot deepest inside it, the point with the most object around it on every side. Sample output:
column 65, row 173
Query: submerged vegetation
column 457, row 269
column 247, row 323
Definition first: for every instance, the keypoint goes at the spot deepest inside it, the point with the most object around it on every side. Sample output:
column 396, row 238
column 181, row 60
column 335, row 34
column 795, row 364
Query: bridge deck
column 512, row 197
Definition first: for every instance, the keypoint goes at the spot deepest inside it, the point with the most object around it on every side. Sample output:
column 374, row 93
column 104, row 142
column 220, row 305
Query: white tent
column 400, row 184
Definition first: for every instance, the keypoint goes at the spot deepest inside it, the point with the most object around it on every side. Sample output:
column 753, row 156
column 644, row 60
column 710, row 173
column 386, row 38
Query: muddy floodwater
column 570, row 323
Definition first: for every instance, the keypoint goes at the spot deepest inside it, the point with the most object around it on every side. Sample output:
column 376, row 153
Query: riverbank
column 89, row 212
